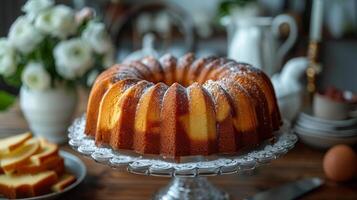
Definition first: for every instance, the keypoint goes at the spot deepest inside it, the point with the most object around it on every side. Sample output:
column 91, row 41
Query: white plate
column 318, row 130
column 309, row 122
column 322, row 142
column 306, row 116
column 73, row 165
column 322, row 126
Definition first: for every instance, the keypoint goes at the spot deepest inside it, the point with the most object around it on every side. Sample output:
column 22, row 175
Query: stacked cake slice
column 30, row 167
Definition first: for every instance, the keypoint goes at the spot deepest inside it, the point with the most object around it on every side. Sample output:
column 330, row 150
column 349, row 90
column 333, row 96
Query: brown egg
column 340, row 163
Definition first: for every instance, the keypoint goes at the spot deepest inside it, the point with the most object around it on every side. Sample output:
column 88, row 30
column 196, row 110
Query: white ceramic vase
column 49, row 112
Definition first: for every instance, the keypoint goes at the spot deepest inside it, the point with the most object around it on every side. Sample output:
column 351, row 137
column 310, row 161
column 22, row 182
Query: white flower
column 23, row 35
column 73, row 58
column 97, row 36
column 58, row 21
column 84, row 14
column 32, row 8
column 7, row 58
column 91, row 77
column 108, row 59
column 36, row 77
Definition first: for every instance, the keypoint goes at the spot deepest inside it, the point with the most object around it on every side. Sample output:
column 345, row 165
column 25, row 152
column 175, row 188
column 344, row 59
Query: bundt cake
column 181, row 107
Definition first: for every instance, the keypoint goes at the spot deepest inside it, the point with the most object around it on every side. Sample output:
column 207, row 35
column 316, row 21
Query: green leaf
column 6, row 100
column 225, row 6
column 15, row 80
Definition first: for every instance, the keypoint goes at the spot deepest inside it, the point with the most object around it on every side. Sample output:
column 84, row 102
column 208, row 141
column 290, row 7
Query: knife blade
column 290, row 190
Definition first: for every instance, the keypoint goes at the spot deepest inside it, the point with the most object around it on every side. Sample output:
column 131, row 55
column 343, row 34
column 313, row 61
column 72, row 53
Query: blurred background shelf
column 205, row 36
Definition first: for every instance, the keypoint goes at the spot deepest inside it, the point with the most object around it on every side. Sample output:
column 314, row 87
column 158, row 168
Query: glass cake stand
column 188, row 175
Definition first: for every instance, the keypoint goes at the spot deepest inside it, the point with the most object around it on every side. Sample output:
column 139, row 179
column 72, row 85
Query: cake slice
column 196, row 68
column 19, row 186
column 147, row 120
column 20, row 155
column 183, row 65
column 245, row 119
column 204, row 73
column 98, row 91
column 202, row 121
column 265, row 129
column 109, row 110
column 224, row 117
column 174, row 139
column 64, row 181
column 48, row 150
column 100, row 88
column 122, row 135
column 142, row 69
column 168, row 64
column 265, row 85
column 11, row 143
column 155, row 67
column 46, row 158
column 54, row 163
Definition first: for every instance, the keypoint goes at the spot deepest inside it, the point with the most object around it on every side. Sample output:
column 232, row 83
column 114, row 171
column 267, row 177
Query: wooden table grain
column 103, row 182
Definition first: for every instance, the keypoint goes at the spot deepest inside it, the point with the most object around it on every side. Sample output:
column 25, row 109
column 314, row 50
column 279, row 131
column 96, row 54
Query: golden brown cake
column 182, row 106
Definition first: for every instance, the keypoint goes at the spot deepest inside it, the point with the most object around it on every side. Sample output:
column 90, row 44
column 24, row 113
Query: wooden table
column 104, row 183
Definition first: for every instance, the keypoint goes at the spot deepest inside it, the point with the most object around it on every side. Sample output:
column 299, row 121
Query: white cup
column 327, row 108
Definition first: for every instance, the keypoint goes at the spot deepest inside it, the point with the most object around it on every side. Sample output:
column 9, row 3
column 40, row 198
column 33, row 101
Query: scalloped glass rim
column 189, row 166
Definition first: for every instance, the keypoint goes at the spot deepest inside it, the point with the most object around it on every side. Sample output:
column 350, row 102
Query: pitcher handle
column 289, row 42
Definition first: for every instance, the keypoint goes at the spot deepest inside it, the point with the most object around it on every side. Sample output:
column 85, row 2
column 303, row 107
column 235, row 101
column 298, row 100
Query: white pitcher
column 49, row 112
column 254, row 40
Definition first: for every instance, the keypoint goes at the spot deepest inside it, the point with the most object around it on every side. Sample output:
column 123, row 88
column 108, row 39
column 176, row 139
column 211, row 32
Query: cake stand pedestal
column 190, row 188
column 189, row 175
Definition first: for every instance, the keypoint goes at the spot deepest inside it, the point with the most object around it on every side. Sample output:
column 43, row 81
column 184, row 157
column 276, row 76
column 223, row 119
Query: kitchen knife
column 290, row 190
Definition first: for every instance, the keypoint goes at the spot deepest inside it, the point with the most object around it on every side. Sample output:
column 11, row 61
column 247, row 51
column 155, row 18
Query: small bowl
column 326, row 108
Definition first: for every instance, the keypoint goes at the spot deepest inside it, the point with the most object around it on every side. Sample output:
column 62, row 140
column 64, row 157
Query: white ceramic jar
column 49, row 112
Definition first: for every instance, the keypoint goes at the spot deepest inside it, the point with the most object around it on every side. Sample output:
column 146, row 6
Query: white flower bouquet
column 53, row 44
